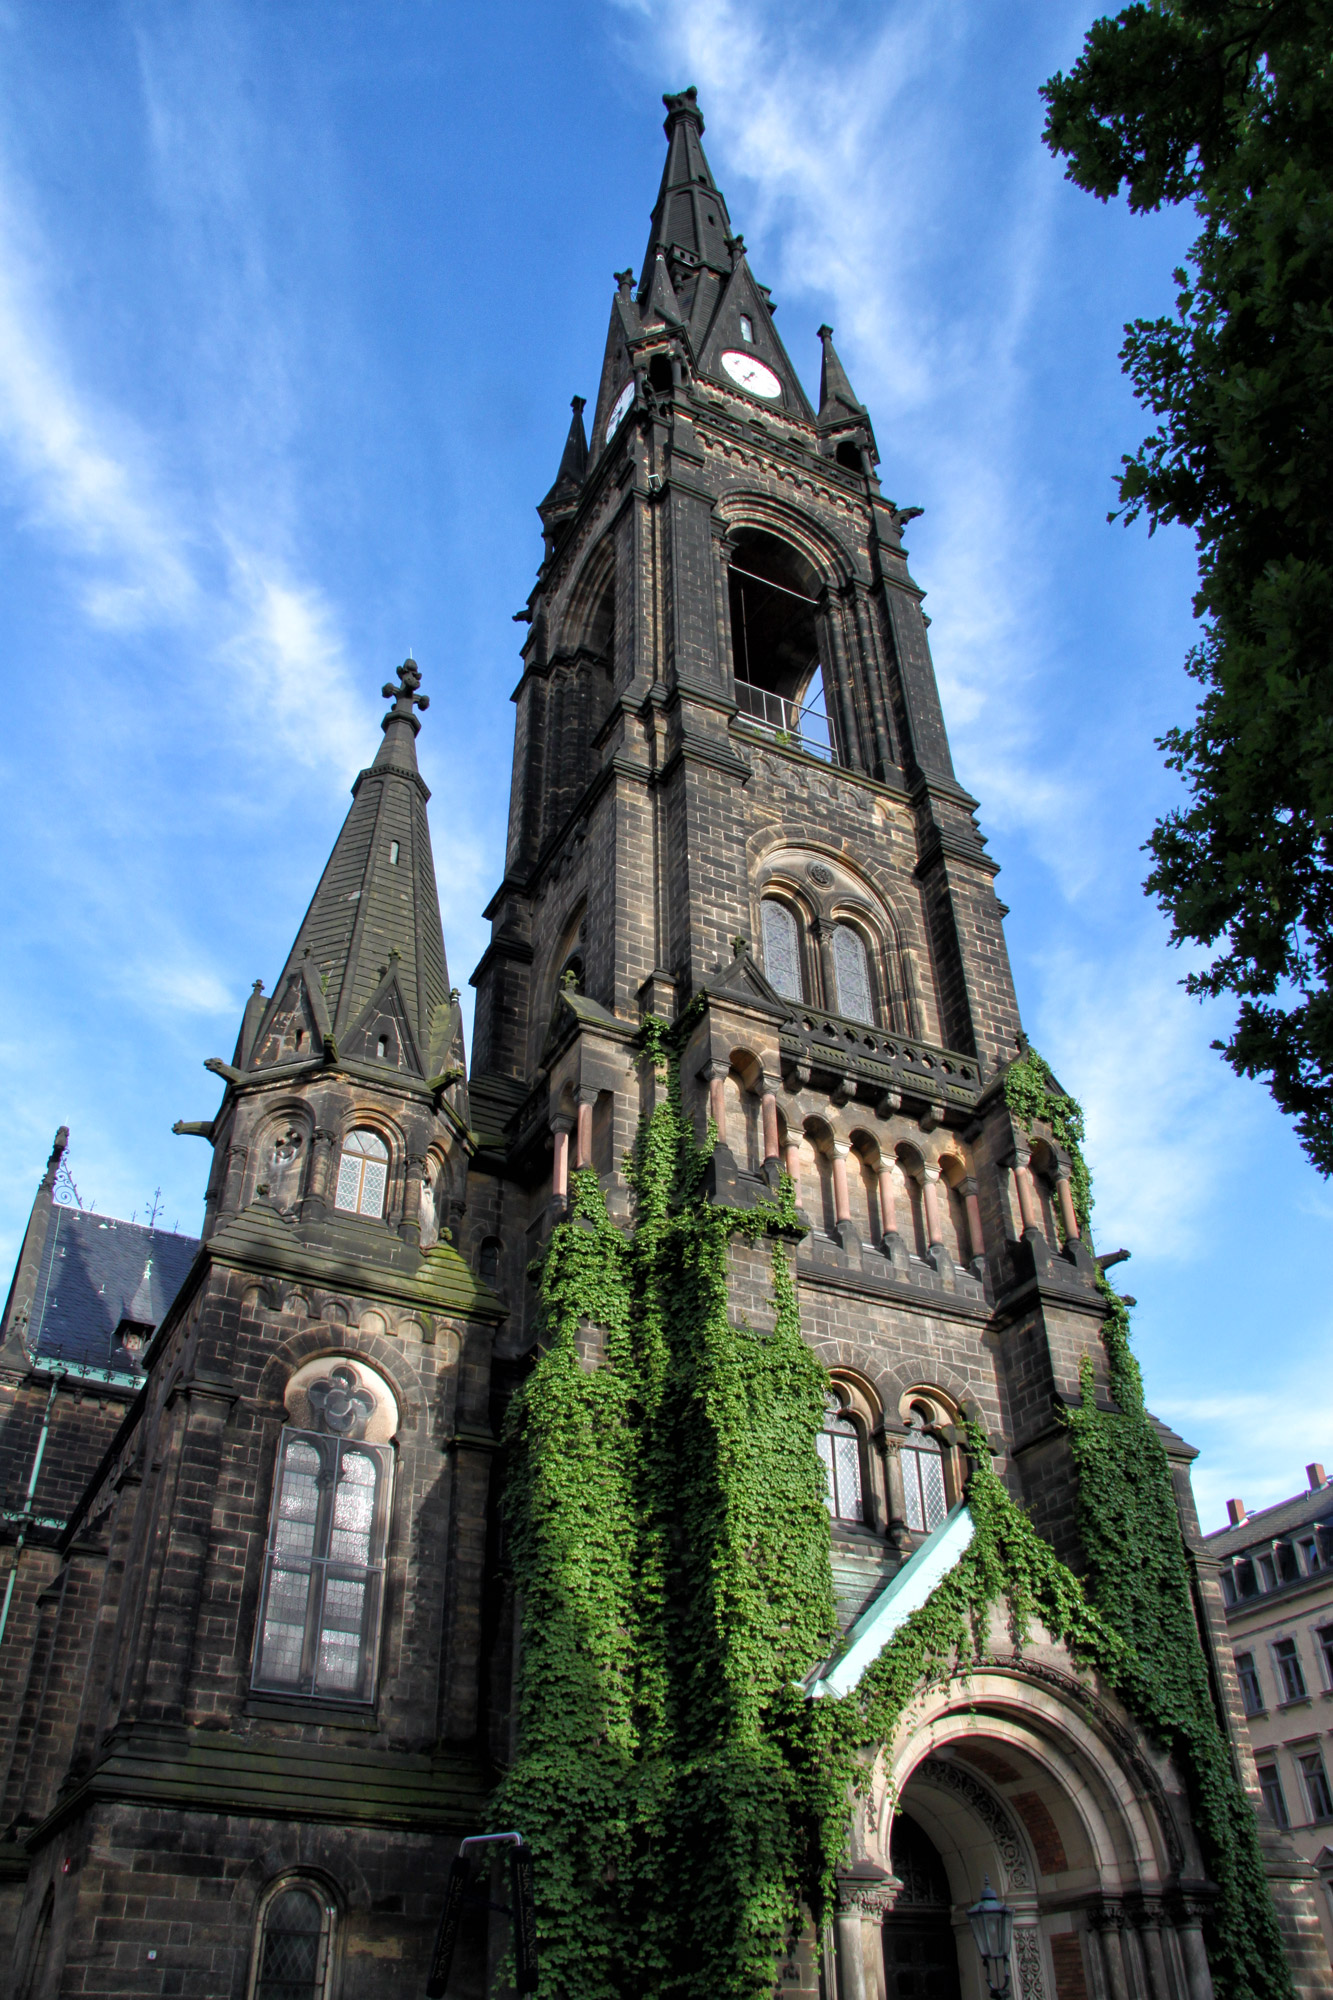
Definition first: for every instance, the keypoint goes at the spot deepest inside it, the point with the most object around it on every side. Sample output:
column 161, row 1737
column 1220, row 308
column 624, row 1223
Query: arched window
column 292, row 1955
column 839, row 1449
column 363, row 1174
column 319, row 1622
column 782, row 950
column 852, row 971
column 922, row 1457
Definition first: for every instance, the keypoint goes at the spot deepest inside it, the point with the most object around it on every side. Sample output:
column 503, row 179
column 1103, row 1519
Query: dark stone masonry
column 259, row 1638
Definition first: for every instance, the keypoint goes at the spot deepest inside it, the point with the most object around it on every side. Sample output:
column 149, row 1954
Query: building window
column 852, row 971
column 782, row 950
column 1287, row 1567
column 840, row 1452
column 319, row 1623
column 1291, row 1680
column 1228, row 1587
column 1270, row 1784
column 1267, row 1573
column 1245, row 1582
column 747, row 328
column 393, row 854
column 363, row 1174
column 295, row 1932
column 1310, row 1551
column 1317, row 1794
column 1324, row 1638
column 922, row 1459
column 1250, row 1691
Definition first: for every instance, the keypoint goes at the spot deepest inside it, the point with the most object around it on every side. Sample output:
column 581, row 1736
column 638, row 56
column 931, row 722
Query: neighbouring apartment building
column 1276, row 1572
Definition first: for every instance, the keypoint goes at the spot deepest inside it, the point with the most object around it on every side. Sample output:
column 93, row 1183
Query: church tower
column 681, row 1433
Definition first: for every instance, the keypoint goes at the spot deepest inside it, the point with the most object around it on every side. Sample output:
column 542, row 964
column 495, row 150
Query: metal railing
column 791, row 726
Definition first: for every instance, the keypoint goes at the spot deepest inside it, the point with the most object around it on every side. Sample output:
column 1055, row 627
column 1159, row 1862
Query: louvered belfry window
column 324, row 1569
column 782, row 950
column 363, row 1174
column 923, row 1478
column 839, row 1449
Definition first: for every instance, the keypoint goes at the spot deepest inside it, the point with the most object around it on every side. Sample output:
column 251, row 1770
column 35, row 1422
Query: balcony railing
column 791, row 726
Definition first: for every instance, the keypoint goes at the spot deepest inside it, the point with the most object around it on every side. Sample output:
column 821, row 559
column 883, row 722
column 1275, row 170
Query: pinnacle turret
column 840, row 410
column 366, row 977
column 563, row 499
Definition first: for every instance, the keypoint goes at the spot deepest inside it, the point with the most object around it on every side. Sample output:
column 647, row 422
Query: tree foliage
column 1228, row 104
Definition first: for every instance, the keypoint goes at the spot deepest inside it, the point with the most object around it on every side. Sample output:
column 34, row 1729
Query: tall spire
column 690, row 215
column 366, row 976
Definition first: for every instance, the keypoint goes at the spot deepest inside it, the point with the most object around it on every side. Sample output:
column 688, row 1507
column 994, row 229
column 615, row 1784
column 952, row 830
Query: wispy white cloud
column 1255, row 1443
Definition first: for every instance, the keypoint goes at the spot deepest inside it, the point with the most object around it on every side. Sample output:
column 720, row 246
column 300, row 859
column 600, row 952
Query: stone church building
column 260, row 1640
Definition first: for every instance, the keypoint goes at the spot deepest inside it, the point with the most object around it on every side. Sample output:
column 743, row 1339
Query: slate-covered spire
column 690, row 215
column 839, row 407
column 561, row 503
column 367, row 976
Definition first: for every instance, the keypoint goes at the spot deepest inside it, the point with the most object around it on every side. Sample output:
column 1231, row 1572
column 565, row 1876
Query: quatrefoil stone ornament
column 341, row 1404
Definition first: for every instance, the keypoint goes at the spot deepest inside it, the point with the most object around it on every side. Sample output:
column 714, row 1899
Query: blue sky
column 293, row 298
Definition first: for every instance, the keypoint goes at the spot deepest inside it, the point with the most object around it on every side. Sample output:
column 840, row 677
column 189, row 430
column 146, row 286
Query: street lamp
column 993, row 1928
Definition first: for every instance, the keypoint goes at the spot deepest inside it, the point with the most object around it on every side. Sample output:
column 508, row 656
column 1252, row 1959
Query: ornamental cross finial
column 405, row 697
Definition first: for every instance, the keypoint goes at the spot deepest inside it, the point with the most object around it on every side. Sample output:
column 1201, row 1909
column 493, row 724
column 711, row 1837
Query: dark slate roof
column 1301, row 1512
column 96, row 1272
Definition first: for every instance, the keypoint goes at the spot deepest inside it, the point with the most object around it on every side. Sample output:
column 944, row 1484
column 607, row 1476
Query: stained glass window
column 782, row 951
column 923, row 1479
column 324, row 1572
column 363, row 1174
column 840, row 1453
column 292, row 1947
column 853, row 974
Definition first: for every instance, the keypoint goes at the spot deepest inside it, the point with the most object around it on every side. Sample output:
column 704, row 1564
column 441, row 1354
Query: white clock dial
column 751, row 374
column 616, row 418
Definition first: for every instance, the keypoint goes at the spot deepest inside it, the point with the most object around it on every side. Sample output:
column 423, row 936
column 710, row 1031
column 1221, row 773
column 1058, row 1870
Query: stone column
column 1104, row 1925
column 409, row 1229
column 768, row 1106
column 1066, row 1196
column 976, row 1242
column 821, row 937
column 1189, row 1930
column 1027, row 1196
column 320, row 1188
column 716, row 1074
column 930, row 1201
column 794, row 1166
column 583, row 1141
column 842, row 1203
column 561, row 1126
column 864, row 1896
column 1150, row 1922
column 888, row 1211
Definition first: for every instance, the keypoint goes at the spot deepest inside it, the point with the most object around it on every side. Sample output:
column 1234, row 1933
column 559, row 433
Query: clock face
column 616, row 418
column 751, row 374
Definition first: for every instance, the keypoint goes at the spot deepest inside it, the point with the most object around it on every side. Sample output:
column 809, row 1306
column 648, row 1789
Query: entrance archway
column 1023, row 1774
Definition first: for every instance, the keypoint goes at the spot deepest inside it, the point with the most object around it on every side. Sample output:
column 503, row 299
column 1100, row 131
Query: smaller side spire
column 561, row 503
column 840, row 410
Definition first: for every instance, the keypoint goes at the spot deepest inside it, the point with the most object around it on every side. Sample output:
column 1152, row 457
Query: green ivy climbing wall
column 687, row 1803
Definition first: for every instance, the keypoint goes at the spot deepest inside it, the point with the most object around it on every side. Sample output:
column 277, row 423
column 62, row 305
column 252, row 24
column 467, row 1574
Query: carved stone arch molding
column 582, row 591
column 827, row 555
column 300, row 1350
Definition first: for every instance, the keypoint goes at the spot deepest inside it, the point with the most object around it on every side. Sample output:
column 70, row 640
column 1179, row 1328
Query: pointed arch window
column 782, row 950
column 839, row 1449
column 926, row 1499
column 292, row 1949
column 363, row 1174
column 319, row 1621
column 851, row 967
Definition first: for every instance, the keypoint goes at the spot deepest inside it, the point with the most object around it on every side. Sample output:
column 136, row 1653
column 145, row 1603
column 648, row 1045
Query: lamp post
column 993, row 1929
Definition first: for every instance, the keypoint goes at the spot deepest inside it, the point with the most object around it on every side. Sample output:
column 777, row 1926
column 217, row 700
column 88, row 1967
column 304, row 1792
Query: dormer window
column 382, row 1049
column 747, row 328
column 363, row 1174
column 393, row 854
